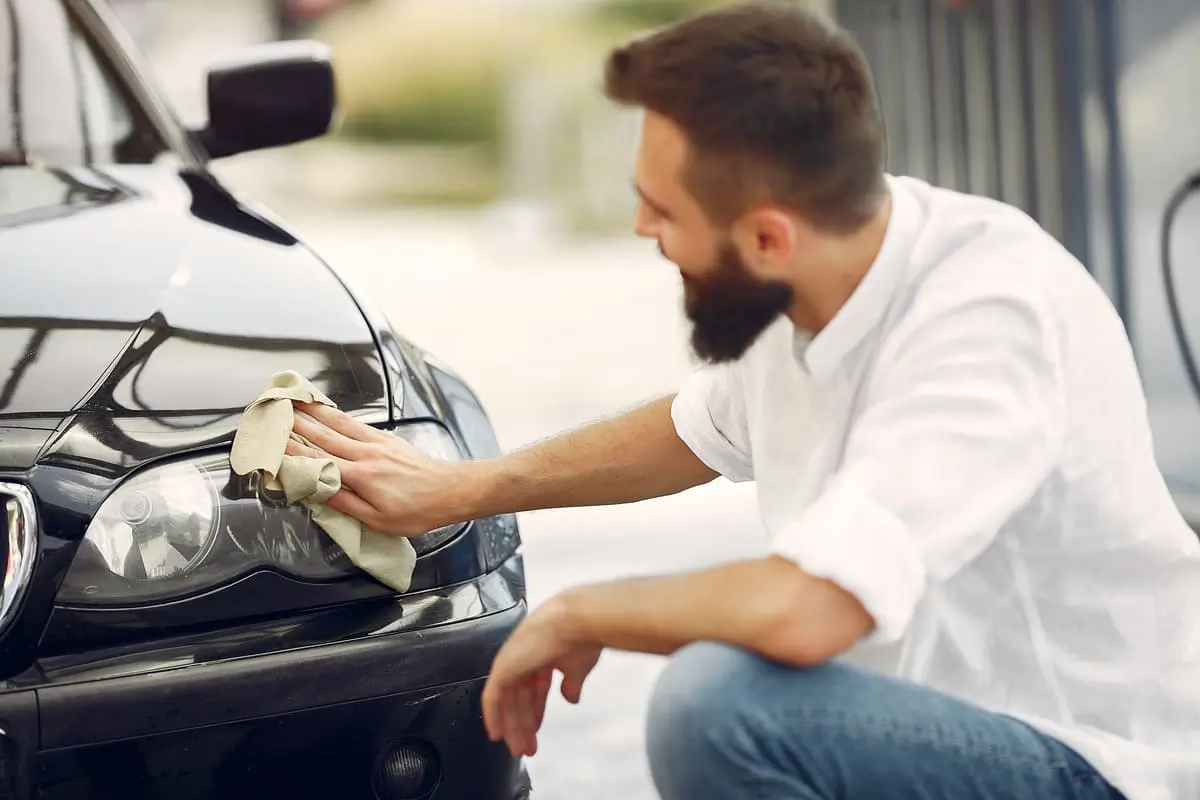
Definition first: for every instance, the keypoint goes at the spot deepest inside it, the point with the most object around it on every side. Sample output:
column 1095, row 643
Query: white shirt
column 965, row 447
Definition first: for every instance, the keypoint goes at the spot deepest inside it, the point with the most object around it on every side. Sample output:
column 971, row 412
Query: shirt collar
column 864, row 310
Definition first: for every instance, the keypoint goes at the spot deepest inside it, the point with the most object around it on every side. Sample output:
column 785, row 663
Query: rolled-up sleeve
column 709, row 413
column 962, row 422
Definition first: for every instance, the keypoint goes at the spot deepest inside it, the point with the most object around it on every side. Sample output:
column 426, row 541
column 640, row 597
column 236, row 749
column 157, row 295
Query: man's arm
column 391, row 486
column 632, row 457
column 767, row 606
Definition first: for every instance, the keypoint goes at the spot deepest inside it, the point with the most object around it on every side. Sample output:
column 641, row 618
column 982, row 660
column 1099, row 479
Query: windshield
column 60, row 104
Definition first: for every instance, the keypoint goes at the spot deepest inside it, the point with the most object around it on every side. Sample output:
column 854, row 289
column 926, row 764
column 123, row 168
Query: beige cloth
column 258, row 445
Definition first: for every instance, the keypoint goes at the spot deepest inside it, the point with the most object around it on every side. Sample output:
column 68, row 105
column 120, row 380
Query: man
column 944, row 421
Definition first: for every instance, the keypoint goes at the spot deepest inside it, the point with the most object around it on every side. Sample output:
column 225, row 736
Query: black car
column 169, row 629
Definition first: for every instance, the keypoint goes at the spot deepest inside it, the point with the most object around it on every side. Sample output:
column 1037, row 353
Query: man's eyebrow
column 658, row 207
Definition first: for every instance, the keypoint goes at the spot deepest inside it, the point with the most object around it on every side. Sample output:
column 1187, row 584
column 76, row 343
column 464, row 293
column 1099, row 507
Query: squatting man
column 944, row 422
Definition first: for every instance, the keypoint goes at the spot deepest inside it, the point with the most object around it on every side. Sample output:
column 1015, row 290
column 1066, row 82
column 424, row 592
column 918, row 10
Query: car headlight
column 191, row 526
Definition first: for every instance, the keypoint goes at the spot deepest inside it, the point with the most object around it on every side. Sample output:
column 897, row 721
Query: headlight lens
column 190, row 526
column 160, row 525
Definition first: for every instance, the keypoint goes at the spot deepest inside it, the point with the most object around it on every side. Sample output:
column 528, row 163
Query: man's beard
column 730, row 308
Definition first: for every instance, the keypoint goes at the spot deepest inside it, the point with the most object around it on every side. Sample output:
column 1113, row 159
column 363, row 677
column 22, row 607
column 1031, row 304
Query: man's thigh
column 724, row 723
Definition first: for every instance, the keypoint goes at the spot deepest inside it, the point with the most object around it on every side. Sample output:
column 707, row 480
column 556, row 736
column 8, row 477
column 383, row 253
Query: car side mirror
column 269, row 95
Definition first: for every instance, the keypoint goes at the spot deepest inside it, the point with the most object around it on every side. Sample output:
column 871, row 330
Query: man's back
column 1083, row 614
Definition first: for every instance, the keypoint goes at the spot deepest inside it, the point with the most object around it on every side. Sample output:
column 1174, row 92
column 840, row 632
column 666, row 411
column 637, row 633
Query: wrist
column 476, row 489
column 567, row 613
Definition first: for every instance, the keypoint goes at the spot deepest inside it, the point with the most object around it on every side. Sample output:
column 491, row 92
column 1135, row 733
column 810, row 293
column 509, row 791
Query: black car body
column 168, row 629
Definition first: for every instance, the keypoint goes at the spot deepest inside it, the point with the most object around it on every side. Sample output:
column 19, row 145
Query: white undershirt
column 966, row 448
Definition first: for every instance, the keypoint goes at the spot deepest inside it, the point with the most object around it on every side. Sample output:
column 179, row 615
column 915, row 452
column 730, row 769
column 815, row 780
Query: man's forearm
column 636, row 456
column 768, row 606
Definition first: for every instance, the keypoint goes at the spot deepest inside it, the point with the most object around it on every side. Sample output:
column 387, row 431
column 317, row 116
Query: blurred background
column 478, row 189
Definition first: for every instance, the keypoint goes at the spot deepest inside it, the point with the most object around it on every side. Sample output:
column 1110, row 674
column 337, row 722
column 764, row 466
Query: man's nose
column 645, row 225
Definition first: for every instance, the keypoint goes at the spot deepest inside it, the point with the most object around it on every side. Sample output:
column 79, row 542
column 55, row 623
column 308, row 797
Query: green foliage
column 420, row 73
column 650, row 13
column 447, row 109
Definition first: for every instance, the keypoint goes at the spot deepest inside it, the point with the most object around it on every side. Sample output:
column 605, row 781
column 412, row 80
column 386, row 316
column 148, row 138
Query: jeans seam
column 750, row 786
column 1055, row 763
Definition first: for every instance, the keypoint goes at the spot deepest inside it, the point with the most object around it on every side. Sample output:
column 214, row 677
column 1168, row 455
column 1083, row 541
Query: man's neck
column 836, row 272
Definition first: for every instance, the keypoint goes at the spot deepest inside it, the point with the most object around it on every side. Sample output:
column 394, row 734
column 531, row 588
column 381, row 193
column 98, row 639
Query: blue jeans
column 727, row 725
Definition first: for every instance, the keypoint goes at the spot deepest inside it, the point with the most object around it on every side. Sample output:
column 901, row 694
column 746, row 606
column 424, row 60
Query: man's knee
column 689, row 696
column 710, row 708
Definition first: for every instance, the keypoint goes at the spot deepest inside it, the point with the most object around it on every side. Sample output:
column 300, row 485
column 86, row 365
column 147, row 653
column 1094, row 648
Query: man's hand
column 387, row 483
column 514, row 699
column 393, row 487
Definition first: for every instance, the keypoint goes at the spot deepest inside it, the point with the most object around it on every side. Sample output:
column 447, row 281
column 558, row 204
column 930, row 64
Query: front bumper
column 322, row 721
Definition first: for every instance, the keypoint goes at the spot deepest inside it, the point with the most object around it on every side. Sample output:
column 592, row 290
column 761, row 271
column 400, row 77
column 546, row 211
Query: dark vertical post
column 1108, row 53
column 1072, row 152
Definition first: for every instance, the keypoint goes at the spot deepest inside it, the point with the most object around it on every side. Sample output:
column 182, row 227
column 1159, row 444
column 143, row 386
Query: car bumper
column 365, row 718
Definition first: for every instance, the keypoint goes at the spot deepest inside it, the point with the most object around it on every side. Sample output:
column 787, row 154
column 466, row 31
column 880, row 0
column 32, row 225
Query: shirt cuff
column 694, row 425
column 848, row 538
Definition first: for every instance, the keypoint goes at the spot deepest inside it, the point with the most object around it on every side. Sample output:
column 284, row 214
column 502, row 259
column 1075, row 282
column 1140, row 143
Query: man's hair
column 778, row 105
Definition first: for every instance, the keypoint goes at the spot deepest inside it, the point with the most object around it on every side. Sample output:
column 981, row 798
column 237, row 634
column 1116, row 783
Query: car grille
column 18, row 526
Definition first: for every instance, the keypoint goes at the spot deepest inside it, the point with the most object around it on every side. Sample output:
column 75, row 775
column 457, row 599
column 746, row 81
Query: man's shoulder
column 978, row 258
column 973, row 247
column 965, row 233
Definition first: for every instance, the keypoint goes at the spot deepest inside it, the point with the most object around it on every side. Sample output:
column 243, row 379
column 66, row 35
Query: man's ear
column 767, row 238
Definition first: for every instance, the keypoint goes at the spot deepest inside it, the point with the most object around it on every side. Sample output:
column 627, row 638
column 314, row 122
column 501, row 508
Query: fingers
column 295, row 447
column 342, row 422
column 493, row 711
column 515, row 732
column 347, row 502
column 526, row 712
column 543, row 682
column 572, row 687
column 298, row 448
column 331, row 441
column 514, row 713
column 498, row 716
column 575, row 671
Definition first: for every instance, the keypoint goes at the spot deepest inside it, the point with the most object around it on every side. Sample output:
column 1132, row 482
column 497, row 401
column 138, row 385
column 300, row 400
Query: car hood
column 141, row 310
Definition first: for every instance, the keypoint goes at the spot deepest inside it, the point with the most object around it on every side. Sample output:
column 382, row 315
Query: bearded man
column 948, row 435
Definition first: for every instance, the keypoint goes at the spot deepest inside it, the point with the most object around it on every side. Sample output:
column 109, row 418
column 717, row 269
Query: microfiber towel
column 259, row 444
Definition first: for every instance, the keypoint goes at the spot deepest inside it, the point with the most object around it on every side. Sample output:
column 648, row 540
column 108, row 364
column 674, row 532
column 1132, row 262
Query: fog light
column 408, row 771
